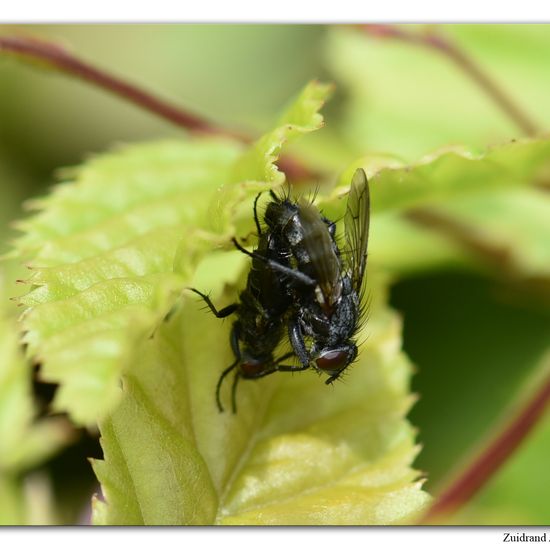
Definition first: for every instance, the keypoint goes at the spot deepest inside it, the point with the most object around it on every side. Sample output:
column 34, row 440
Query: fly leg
column 289, row 368
column 234, row 392
column 256, row 220
column 221, row 379
column 234, row 341
column 292, row 273
column 225, row 312
column 276, row 367
column 297, row 341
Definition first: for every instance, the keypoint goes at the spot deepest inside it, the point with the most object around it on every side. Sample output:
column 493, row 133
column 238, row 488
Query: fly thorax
column 293, row 231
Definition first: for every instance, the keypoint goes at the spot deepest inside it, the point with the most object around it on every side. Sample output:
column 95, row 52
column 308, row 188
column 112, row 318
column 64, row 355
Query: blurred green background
column 476, row 337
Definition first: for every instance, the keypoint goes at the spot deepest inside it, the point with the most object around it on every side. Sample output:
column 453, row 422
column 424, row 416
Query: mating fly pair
column 301, row 283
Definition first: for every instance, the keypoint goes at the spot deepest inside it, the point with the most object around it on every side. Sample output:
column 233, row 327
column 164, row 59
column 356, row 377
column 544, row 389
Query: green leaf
column 505, row 233
column 446, row 175
column 256, row 169
column 490, row 194
column 297, row 452
column 514, row 223
column 112, row 251
column 24, row 443
column 112, row 248
column 409, row 99
column 403, row 248
column 102, row 271
column 27, row 501
column 444, row 108
column 501, row 232
column 12, row 505
column 302, row 116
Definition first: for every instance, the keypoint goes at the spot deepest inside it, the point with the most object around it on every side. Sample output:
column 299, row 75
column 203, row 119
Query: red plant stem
column 60, row 59
column 56, row 57
column 489, row 460
column 465, row 63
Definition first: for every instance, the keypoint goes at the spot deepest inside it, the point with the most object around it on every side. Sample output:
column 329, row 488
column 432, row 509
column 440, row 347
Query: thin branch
column 462, row 60
column 55, row 57
column 491, row 458
column 500, row 259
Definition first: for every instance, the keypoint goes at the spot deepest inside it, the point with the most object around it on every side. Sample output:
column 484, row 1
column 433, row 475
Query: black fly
column 327, row 315
column 259, row 326
column 300, row 278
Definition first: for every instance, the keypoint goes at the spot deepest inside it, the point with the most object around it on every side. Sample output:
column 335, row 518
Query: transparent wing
column 322, row 252
column 357, row 227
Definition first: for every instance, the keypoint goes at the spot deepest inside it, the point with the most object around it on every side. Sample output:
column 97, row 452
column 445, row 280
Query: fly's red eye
column 332, row 361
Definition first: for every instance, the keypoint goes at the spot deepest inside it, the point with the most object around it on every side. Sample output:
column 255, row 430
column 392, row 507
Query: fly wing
column 322, row 252
column 357, row 227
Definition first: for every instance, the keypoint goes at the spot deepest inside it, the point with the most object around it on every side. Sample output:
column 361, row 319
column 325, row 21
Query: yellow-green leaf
column 297, row 451
column 102, row 249
column 24, row 443
column 113, row 246
column 302, row 116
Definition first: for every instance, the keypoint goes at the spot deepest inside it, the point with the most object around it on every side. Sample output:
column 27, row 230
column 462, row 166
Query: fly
column 300, row 280
column 325, row 316
column 260, row 312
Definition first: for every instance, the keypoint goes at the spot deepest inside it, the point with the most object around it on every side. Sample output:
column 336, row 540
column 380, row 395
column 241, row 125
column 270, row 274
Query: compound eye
column 332, row 362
